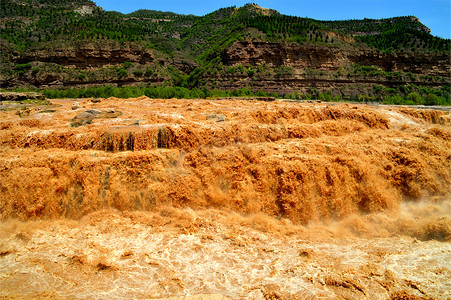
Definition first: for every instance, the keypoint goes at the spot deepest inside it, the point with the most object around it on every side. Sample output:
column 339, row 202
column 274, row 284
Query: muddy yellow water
column 225, row 199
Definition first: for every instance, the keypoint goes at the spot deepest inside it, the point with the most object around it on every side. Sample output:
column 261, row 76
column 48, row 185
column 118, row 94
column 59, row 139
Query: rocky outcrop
column 433, row 64
column 332, row 58
column 87, row 116
column 13, row 96
column 91, row 63
column 348, row 87
column 277, row 54
column 288, row 67
column 351, row 72
column 90, row 54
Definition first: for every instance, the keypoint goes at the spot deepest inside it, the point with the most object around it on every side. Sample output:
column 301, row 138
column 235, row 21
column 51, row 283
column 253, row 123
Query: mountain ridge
column 48, row 43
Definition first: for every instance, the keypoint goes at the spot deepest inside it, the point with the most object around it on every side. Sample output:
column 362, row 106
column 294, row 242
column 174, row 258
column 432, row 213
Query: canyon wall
column 328, row 69
column 330, row 58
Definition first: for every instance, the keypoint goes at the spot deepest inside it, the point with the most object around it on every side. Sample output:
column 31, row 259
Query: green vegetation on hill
column 26, row 25
column 37, row 7
column 294, row 28
column 405, row 95
column 211, row 34
column 399, row 33
column 155, row 92
column 372, row 26
column 184, row 42
column 153, row 14
column 45, row 20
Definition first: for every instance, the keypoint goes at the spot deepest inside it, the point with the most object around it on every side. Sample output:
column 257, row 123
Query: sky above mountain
column 435, row 14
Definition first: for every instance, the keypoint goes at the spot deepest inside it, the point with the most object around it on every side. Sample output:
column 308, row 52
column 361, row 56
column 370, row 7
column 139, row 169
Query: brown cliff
column 91, row 63
column 333, row 58
column 90, row 54
column 346, row 72
column 285, row 67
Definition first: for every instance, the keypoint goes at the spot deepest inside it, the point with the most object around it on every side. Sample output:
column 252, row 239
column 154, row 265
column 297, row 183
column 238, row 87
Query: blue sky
column 435, row 14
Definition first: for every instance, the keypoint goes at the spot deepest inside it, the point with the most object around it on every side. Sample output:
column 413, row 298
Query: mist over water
column 279, row 200
column 181, row 252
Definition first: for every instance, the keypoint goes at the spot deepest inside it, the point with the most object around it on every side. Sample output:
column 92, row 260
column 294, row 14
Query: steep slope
column 394, row 33
column 312, row 70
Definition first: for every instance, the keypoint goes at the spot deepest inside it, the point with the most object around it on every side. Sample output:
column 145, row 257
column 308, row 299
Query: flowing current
column 141, row 198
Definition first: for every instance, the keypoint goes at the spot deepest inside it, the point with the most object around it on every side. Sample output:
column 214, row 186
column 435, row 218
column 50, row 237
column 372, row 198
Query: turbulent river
column 224, row 199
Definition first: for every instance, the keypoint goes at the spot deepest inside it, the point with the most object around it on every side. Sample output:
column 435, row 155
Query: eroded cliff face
column 90, row 63
column 329, row 68
column 433, row 64
column 276, row 54
column 333, row 58
column 307, row 67
column 90, row 54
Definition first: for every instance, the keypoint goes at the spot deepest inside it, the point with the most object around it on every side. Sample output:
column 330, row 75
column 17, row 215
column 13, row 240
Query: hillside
column 48, row 44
